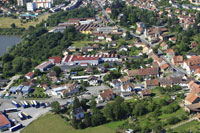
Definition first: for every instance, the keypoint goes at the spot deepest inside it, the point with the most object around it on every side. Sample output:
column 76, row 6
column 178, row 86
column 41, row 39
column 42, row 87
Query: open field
column 193, row 126
column 5, row 22
column 51, row 123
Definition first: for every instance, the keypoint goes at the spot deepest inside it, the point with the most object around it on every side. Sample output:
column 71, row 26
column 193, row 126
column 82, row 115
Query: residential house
column 172, row 39
column 192, row 64
column 101, row 36
column 139, row 30
column 29, row 75
column 129, row 87
column 192, row 98
column 164, row 67
column 170, row 53
column 123, row 48
column 151, row 83
column 145, row 92
column 194, row 86
column 71, row 49
column 166, row 82
column 85, row 50
column 78, row 113
column 127, row 94
column 193, row 108
column 115, row 84
column 108, row 10
column 89, row 70
column 66, row 89
column 108, row 38
column 124, row 80
column 164, row 46
column 106, row 95
column 177, row 60
column 145, row 73
column 92, row 80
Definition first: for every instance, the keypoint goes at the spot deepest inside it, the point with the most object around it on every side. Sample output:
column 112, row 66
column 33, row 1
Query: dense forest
column 38, row 44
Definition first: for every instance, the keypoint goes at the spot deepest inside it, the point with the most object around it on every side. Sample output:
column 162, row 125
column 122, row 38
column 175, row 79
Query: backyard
column 55, row 124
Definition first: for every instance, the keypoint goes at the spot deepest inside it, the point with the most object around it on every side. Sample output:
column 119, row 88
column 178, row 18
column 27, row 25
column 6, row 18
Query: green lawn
column 193, row 126
column 5, row 22
column 114, row 125
column 51, row 123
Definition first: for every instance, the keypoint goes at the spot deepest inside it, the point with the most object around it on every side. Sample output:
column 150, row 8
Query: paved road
column 105, row 13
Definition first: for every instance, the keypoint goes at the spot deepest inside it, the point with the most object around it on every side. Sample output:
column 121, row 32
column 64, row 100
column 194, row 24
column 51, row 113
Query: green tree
column 97, row 117
column 76, row 103
column 55, row 105
column 13, row 25
column 37, row 72
column 57, row 70
column 93, row 103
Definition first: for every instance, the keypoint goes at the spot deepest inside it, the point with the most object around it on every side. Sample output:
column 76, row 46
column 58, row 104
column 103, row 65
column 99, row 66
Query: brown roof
column 194, row 107
column 153, row 82
column 146, row 92
column 194, row 60
column 197, row 71
column 143, row 71
column 107, row 94
column 194, row 86
column 178, row 59
column 126, row 86
column 30, row 74
column 191, row 97
column 164, row 66
column 166, row 81
column 125, row 79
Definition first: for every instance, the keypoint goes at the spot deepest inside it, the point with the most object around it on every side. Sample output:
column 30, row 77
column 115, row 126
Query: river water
column 6, row 41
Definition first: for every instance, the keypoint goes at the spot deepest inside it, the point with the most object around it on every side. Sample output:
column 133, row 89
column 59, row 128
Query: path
column 184, row 122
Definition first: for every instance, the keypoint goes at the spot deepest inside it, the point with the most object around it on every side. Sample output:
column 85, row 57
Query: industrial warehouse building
column 4, row 122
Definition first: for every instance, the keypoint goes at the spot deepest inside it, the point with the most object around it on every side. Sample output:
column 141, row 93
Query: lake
column 6, row 41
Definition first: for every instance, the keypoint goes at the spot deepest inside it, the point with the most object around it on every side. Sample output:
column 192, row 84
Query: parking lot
column 94, row 90
column 33, row 112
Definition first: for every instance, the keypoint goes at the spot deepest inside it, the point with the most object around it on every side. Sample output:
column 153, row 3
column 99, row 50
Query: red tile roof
column 164, row 66
column 56, row 60
column 3, row 120
column 191, row 97
column 30, row 74
column 107, row 94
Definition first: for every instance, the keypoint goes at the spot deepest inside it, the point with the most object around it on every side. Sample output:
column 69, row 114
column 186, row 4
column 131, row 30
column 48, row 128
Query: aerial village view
column 100, row 66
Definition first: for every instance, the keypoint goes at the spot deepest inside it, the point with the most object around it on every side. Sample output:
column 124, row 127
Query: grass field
column 51, row 123
column 193, row 126
column 5, row 22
